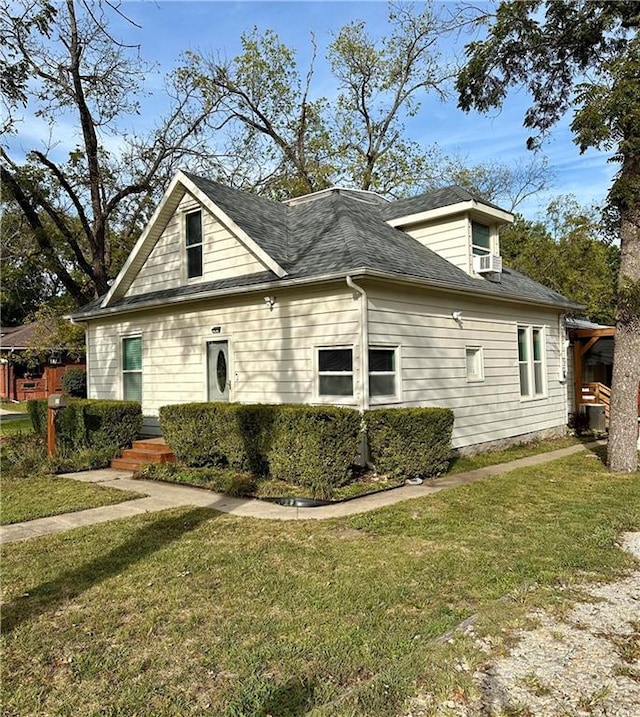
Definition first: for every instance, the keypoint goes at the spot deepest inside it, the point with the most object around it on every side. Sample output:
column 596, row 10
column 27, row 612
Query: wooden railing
column 599, row 394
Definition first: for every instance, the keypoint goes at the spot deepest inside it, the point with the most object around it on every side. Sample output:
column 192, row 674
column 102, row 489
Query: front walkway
column 161, row 496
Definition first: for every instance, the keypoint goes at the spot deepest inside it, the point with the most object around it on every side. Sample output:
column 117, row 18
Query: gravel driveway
column 587, row 663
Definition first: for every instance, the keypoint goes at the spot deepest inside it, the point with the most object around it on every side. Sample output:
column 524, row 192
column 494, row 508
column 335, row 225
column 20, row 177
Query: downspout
column 364, row 344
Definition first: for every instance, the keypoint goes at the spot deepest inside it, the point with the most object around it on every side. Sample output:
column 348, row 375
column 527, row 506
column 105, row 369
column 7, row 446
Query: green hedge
column 410, row 442
column 312, row 446
column 88, row 423
column 219, row 434
column 315, row 447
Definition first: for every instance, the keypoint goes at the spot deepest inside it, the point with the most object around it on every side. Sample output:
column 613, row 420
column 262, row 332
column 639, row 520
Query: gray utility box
column 595, row 416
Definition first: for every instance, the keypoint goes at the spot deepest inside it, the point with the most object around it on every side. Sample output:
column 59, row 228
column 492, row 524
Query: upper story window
column 531, row 361
column 193, row 234
column 480, row 239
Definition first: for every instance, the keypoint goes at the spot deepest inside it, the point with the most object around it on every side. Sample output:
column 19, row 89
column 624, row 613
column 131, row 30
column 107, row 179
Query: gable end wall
column 224, row 257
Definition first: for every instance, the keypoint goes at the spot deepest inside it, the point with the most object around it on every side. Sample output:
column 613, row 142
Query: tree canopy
column 581, row 58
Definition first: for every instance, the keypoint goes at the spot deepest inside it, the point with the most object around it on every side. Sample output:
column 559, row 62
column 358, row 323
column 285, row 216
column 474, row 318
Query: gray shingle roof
column 338, row 234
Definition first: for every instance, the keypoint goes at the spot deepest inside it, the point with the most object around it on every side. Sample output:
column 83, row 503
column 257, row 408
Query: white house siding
column 223, row 255
column 271, row 352
column 449, row 238
column 433, row 367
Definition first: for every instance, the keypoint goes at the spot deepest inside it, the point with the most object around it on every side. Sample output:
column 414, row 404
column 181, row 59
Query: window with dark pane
column 480, row 239
column 335, row 372
column 132, row 369
column 382, row 372
column 194, row 244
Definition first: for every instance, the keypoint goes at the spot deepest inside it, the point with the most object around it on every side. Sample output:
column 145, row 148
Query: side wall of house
column 223, row 256
column 432, row 358
column 449, row 238
column 271, row 352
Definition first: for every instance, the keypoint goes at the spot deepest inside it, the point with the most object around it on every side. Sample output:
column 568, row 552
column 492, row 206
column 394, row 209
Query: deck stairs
column 146, row 450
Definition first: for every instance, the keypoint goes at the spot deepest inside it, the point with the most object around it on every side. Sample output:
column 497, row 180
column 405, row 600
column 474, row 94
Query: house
column 22, row 378
column 338, row 297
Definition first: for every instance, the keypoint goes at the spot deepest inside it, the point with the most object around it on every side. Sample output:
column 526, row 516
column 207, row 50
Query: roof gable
column 226, row 212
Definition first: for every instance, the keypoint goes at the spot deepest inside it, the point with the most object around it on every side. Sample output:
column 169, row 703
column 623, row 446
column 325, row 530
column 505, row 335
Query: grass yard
column 191, row 612
column 11, row 426
column 42, row 496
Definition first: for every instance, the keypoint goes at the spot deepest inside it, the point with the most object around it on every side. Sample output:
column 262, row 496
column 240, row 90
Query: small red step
column 148, row 450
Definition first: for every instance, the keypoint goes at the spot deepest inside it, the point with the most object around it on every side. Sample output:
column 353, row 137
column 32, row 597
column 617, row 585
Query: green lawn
column 11, row 426
column 191, row 612
column 41, row 496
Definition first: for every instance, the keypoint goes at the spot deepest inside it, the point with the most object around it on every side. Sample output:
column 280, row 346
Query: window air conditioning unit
column 487, row 264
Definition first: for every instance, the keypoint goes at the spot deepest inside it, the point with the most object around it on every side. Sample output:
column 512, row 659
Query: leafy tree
column 568, row 253
column 506, row 184
column 582, row 57
column 295, row 144
column 60, row 61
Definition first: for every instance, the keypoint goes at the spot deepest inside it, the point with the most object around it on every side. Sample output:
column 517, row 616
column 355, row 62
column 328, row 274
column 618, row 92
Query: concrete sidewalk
column 161, row 496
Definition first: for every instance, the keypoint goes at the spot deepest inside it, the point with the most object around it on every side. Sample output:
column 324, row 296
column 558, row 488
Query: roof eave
column 477, row 209
column 361, row 272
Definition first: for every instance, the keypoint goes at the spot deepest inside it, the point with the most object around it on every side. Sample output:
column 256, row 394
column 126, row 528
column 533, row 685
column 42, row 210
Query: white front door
column 218, row 371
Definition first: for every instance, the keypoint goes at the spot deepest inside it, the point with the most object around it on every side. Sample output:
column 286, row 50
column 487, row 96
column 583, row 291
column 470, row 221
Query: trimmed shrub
column 89, row 423
column 311, row 446
column 409, row 442
column 74, row 382
column 315, row 447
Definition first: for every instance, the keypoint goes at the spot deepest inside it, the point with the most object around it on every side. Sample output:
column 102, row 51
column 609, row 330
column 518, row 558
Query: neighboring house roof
column 17, row 338
column 336, row 234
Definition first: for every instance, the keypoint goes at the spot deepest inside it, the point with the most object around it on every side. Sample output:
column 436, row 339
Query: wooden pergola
column 583, row 340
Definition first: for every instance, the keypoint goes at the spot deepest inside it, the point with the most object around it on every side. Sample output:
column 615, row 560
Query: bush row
column 310, row 446
column 86, row 423
column 306, row 445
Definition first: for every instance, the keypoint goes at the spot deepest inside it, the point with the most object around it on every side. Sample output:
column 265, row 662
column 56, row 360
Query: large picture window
column 382, row 372
column 193, row 234
column 531, row 361
column 335, row 372
column 132, row 369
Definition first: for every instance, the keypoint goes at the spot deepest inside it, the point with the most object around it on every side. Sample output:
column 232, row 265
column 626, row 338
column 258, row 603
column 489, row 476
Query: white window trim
column 532, row 396
column 391, row 398
column 186, row 279
column 480, row 377
column 333, row 400
column 121, row 371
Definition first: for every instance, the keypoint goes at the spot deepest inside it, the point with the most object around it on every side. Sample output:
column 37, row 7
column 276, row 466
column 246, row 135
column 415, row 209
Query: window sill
column 531, row 399
column 383, row 400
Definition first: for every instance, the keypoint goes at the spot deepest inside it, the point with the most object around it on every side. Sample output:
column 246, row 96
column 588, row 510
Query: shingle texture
column 339, row 233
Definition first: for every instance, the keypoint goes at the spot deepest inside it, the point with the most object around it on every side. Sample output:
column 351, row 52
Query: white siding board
column 434, row 367
column 271, row 352
column 224, row 256
column 449, row 239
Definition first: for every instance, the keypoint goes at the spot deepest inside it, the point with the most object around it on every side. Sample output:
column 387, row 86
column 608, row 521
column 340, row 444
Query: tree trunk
column 623, row 430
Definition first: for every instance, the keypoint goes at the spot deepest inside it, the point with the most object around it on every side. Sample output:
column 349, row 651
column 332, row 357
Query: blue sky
column 169, row 28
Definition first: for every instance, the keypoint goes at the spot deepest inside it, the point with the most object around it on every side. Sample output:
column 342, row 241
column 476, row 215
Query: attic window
column 480, row 239
column 193, row 233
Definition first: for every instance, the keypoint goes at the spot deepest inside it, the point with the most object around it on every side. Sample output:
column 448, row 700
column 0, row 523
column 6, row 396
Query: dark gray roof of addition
column 435, row 199
column 335, row 235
